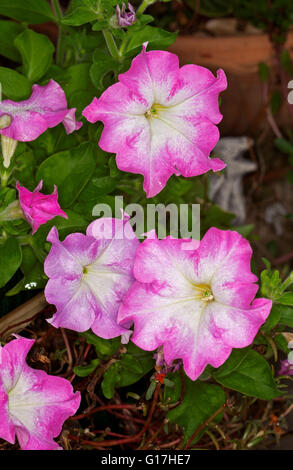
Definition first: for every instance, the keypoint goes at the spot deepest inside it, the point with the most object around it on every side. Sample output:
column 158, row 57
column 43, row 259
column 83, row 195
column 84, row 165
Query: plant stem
column 4, row 178
column 144, row 5
column 58, row 13
column 110, row 41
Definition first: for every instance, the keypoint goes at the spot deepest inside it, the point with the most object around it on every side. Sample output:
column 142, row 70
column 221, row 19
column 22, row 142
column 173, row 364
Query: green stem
column 4, row 178
column 143, row 6
column 110, row 41
column 58, row 13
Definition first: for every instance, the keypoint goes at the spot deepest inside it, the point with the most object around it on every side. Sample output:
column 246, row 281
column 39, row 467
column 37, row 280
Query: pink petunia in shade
column 33, row 404
column 37, row 207
column 89, row 276
column 198, row 303
column 160, row 119
column 46, row 107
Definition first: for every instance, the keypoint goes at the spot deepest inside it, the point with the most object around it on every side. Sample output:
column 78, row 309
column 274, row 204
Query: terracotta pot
column 239, row 56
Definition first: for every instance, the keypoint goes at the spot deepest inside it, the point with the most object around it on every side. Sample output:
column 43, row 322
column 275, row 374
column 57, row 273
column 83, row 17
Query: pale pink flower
column 197, row 303
column 125, row 18
column 46, row 107
column 160, row 119
column 33, row 404
column 37, row 207
column 89, row 276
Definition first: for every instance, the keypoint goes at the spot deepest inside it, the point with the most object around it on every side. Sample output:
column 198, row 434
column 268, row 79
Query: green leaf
column 70, row 170
column 84, row 371
column 10, row 260
column 271, row 284
column 201, row 400
column 287, row 62
column 103, row 64
column 286, row 315
column 249, row 373
column 156, row 37
column 286, row 299
column 129, row 369
column 36, row 51
column 30, row 11
column 104, row 347
column 8, row 31
column 276, row 101
column 111, row 376
column 80, row 16
column 32, row 269
column 273, row 319
column 284, row 145
column 263, row 71
column 14, row 85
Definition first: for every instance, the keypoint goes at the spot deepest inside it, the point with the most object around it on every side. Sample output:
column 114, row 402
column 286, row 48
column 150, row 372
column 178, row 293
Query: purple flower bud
column 125, row 18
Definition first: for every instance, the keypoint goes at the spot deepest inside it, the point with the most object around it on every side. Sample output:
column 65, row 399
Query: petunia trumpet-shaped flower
column 125, row 18
column 198, row 303
column 33, row 404
column 160, row 119
column 28, row 119
column 37, row 207
column 89, row 276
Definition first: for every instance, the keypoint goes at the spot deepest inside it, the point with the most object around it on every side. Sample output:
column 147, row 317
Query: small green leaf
column 156, row 37
column 36, row 51
column 84, row 371
column 14, row 85
column 276, row 101
column 8, row 31
column 263, row 71
column 111, row 377
column 286, row 315
column 10, row 260
column 104, row 347
column 150, row 391
column 70, row 170
column 80, row 16
column 286, row 299
column 249, row 373
column 201, row 400
column 284, row 145
column 273, row 319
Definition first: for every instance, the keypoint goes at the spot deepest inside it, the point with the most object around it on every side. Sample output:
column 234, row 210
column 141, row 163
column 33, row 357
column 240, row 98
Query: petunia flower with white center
column 33, row 404
column 26, row 120
column 197, row 303
column 89, row 276
column 160, row 119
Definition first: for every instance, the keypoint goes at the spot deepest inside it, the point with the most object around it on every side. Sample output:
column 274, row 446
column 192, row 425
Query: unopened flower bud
column 125, row 18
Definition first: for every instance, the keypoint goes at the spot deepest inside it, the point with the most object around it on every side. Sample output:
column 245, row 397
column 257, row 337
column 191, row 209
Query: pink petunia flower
column 46, row 107
column 37, row 207
column 197, row 304
column 125, row 18
column 160, row 119
column 33, row 404
column 89, row 276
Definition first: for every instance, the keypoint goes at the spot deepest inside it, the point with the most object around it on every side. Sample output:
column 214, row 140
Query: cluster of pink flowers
column 191, row 305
